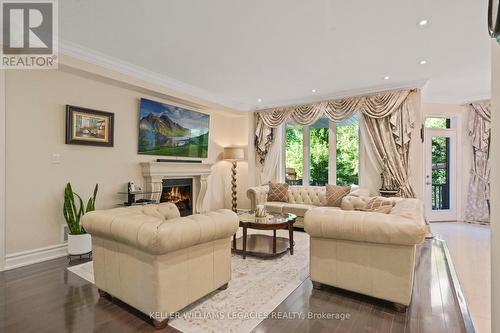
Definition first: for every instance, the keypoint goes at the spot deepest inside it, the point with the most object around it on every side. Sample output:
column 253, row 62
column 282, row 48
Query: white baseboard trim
column 24, row 258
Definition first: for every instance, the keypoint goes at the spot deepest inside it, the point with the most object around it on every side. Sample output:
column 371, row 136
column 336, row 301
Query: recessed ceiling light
column 423, row 23
column 259, row 100
column 423, row 62
column 386, row 78
column 313, row 91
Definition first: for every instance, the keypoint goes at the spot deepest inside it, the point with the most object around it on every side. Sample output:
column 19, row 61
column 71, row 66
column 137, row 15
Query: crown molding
column 103, row 60
column 449, row 99
column 115, row 64
column 342, row 94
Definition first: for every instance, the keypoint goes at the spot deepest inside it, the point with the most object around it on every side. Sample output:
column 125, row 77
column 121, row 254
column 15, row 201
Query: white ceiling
column 235, row 52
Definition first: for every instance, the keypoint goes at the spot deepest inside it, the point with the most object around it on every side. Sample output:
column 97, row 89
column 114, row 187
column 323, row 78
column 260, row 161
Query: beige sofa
column 158, row 262
column 301, row 199
column 366, row 252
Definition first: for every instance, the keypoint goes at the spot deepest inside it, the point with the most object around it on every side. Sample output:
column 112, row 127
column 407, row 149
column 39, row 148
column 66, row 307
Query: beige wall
column 35, row 112
column 460, row 114
column 495, row 189
column 2, row 169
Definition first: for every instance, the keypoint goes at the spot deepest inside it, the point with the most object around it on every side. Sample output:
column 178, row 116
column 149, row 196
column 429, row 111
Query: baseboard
column 24, row 258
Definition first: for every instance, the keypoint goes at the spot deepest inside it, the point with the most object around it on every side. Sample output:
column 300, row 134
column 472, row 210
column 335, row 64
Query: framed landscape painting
column 89, row 127
column 169, row 130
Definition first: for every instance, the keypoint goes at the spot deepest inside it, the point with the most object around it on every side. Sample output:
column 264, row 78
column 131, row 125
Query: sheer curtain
column 272, row 169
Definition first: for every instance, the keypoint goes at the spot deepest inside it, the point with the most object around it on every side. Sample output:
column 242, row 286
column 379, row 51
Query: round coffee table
column 264, row 245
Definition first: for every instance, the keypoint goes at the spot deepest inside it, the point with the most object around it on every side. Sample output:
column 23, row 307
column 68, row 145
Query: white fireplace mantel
column 155, row 172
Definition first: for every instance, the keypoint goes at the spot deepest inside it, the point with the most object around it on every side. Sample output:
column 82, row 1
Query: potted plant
column 79, row 242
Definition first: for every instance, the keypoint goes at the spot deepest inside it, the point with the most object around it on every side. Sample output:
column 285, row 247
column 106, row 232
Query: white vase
column 260, row 211
column 79, row 244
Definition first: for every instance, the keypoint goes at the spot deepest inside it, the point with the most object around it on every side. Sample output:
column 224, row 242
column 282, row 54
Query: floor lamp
column 233, row 155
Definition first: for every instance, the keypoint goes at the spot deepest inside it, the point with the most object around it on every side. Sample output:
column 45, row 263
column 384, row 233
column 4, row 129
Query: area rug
column 256, row 288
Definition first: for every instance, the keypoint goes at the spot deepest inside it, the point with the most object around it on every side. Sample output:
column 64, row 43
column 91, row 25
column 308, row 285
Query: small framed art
column 89, row 127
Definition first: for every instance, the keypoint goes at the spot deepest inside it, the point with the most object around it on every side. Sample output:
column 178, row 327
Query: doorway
column 440, row 170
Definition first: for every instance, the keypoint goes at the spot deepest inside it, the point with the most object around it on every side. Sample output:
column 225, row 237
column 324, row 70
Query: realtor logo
column 28, row 34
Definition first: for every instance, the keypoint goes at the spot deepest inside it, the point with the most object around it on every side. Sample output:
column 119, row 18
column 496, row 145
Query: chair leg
column 399, row 307
column 102, row 293
column 223, row 287
column 160, row 324
column 316, row 285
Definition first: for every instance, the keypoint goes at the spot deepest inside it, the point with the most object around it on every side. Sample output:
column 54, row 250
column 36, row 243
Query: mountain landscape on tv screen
column 168, row 130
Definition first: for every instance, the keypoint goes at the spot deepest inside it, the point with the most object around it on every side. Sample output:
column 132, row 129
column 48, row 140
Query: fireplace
column 180, row 192
column 197, row 173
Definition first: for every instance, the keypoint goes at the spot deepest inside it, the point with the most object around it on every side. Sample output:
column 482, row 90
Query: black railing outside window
column 440, row 196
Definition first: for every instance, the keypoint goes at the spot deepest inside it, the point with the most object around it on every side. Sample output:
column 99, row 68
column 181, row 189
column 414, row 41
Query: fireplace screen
column 179, row 192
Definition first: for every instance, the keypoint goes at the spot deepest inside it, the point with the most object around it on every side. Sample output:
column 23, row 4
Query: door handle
column 427, row 183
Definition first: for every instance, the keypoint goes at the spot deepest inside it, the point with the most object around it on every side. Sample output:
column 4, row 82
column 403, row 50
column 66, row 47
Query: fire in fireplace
column 179, row 192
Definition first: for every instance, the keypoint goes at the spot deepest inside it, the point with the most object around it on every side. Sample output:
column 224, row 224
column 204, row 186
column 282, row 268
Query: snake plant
column 73, row 211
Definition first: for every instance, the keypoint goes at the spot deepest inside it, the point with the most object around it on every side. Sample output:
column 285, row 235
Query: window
column 437, row 122
column 347, row 157
column 294, row 153
column 313, row 153
column 440, row 172
column 318, row 138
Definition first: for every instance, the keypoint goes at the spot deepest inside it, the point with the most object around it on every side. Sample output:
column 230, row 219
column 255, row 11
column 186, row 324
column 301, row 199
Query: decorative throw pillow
column 278, row 192
column 335, row 194
column 379, row 205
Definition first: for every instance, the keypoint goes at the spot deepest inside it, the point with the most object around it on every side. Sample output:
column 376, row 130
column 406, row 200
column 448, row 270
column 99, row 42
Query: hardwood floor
column 47, row 297
column 469, row 246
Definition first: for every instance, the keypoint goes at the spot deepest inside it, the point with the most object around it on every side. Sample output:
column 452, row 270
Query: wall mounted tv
column 169, row 130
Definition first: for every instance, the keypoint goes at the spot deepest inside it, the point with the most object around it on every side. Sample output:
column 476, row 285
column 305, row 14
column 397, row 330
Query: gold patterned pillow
column 335, row 194
column 278, row 192
column 379, row 205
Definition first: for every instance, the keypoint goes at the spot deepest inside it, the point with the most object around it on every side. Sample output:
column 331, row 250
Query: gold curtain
column 478, row 195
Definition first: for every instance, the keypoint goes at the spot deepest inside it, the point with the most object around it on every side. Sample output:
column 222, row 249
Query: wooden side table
column 261, row 245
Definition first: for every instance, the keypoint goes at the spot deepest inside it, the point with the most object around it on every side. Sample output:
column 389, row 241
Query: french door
column 440, row 174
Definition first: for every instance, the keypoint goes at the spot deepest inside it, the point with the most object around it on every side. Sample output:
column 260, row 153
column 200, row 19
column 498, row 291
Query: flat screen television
column 168, row 130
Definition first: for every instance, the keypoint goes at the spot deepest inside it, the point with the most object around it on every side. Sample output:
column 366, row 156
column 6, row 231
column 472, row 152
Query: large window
column 294, row 153
column 324, row 152
column 347, row 157
column 318, row 139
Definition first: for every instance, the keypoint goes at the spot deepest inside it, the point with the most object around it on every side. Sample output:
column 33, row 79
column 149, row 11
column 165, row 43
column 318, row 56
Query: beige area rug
column 256, row 288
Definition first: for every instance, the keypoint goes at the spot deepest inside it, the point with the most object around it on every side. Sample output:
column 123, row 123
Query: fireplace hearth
column 180, row 192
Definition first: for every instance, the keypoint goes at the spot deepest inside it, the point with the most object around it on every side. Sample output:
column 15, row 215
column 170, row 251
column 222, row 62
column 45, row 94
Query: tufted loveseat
column 158, row 262
column 303, row 198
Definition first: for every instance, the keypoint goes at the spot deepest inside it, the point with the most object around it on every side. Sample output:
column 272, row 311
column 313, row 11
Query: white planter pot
column 79, row 244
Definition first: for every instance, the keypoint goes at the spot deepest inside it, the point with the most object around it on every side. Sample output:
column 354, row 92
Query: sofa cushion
column 334, row 194
column 297, row 209
column 275, row 206
column 278, row 192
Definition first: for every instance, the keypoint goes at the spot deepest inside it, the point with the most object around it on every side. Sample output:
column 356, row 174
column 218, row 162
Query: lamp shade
column 234, row 153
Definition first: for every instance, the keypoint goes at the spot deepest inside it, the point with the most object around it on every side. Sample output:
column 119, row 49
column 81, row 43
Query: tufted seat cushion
column 158, row 229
